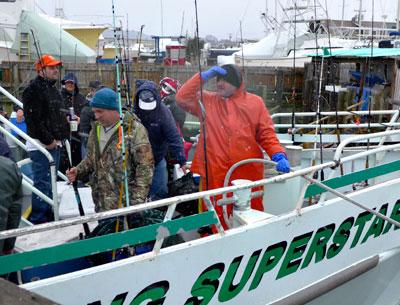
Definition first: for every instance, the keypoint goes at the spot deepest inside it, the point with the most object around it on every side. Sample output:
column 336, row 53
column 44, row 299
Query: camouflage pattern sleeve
column 86, row 166
column 142, row 164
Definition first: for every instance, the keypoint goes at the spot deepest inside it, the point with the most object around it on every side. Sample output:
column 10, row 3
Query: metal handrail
column 345, row 142
column 335, row 126
column 53, row 174
column 289, row 115
column 184, row 198
column 11, row 97
column 333, row 113
column 395, row 115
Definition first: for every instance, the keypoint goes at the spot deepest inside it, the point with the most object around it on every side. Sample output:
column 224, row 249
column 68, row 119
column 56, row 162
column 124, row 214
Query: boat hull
column 262, row 263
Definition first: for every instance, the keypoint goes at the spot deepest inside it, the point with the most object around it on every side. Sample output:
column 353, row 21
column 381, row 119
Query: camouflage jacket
column 106, row 169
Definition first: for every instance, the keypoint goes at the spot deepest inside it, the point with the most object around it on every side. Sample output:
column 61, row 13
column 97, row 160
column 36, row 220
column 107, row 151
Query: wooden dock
column 11, row 294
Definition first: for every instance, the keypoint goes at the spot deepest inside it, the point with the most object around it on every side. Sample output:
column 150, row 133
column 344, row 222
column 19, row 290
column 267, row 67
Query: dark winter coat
column 74, row 99
column 45, row 114
column 10, row 200
column 78, row 102
column 5, row 149
column 178, row 114
column 161, row 127
column 87, row 117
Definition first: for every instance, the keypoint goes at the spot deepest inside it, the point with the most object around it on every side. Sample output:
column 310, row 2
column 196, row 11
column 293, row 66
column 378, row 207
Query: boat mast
column 398, row 16
column 359, row 20
column 266, row 19
column 342, row 22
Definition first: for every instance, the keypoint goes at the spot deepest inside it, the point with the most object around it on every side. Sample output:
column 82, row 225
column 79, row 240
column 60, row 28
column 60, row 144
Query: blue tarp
column 370, row 80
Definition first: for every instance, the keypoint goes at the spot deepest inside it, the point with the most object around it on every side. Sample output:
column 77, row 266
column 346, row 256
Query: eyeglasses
column 167, row 89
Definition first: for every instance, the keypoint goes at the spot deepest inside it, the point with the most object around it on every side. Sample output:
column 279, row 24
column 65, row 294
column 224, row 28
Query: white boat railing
column 355, row 139
column 205, row 195
column 328, row 114
column 296, row 128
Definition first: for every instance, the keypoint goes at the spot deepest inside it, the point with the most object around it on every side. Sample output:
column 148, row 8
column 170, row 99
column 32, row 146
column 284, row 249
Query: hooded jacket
column 160, row 124
column 45, row 114
column 237, row 128
column 73, row 99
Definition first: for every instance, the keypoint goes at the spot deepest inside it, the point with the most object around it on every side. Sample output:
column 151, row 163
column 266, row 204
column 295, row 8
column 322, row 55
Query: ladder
column 24, row 47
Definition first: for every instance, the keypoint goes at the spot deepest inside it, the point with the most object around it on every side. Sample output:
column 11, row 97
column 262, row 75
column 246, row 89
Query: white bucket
column 244, row 195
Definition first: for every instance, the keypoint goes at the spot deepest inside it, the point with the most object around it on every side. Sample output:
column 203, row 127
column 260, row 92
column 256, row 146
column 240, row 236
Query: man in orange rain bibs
column 238, row 127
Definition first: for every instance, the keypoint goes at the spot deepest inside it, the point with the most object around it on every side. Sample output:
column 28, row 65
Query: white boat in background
column 316, row 242
column 306, row 27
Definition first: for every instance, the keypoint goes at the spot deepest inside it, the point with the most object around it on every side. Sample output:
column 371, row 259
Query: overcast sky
column 220, row 18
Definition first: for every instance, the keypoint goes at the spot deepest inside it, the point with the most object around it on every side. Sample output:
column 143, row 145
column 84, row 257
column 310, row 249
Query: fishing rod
column 38, row 52
column 125, row 73
column 241, row 41
column 127, row 63
column 119, row 47
column 202, row 108
column 59, row 74
column 369, row 85
column 318, row 130
column 333, row 83
column 76, row 191
column 121, row 116
column 293, row 96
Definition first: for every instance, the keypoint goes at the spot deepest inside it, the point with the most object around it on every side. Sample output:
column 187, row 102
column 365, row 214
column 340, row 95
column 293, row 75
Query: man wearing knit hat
column 104, row 161
column 238, row 125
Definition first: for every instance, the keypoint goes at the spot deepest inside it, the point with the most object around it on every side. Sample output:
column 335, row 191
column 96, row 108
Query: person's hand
column 212, row 72
column 71, row 174
column 282, row 162
column 184, row 168
column 52, row 145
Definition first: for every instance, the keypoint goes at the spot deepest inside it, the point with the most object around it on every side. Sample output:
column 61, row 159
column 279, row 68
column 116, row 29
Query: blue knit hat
column 105, row 98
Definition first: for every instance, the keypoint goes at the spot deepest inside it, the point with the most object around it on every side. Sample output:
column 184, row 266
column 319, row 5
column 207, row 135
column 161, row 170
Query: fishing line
column 293, row 96
column 242, row 42
column 203, row 110
column 333, row 82
column 125, row 74
column 369, row 85
column 127, row 65
column 121, row 116
column 318, row 129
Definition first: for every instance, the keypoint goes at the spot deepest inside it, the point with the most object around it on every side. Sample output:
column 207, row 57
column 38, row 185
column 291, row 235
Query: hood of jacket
column 146, row 85
column 70, row 76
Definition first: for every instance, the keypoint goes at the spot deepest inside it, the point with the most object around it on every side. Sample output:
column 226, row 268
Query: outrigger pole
column 203, row 110
column 121, row 116
column 332, row 77
column 318, row 129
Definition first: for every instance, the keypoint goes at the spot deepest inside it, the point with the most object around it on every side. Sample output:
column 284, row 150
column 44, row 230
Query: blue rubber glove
column 282, row 161
column 212, row 72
